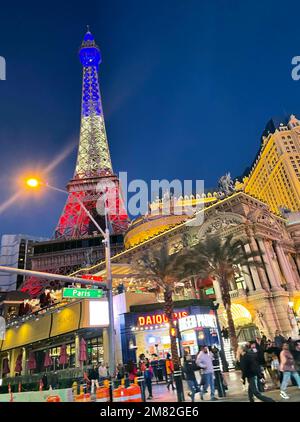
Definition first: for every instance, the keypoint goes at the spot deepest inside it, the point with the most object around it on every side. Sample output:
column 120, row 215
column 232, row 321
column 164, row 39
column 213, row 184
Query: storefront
column 39, row 343
column 145, row 329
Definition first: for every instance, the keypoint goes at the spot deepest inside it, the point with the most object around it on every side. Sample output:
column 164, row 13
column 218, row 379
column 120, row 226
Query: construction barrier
column 134, row 393
column 120, row 394
column 83, row 397
column 53, row 399
column 65, row 395
column 102, row 394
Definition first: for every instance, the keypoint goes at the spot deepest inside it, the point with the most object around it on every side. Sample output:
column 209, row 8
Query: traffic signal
column 173, row 332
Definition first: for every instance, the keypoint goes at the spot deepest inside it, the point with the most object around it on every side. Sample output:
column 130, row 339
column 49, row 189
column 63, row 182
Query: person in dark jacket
column 279, row 339
column 189, row 368
column 252, row 371
column 296, row 356
column 261, row 348
column 148, row 375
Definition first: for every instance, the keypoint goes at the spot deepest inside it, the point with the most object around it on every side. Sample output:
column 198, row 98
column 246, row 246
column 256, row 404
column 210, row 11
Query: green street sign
column 209, row 291
column 75, row 293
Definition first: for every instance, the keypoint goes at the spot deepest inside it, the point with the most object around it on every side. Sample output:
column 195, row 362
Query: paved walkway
column 235, row 392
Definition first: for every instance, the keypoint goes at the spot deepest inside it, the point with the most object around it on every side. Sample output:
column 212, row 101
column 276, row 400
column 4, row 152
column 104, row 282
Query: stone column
column 261, row 271
column 285, row 267
column 294, row 270
column 24, row 358
column 298, row 261
column 281, row 300
column 77, row 351
column 247, row 278
column 105, row 346
column 273, row 276
column 253, row 270
column 12, row 361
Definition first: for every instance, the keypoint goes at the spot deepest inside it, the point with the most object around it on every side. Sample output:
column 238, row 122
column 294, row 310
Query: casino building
column 264, row 211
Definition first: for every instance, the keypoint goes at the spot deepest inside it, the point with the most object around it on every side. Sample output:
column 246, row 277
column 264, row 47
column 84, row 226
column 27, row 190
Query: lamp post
column 35, row 183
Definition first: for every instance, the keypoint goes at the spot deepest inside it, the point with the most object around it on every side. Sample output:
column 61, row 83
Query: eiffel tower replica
column 77, row 241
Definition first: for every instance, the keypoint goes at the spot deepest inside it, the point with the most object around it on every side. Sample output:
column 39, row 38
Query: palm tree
column 165, row 270
column 220, row 258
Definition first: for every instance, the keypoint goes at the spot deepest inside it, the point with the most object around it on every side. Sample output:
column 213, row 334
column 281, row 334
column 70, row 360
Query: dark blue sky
column 187, row 88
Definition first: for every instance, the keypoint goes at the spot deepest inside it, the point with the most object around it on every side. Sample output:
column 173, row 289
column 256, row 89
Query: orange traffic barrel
column 83, row 397
column 53, row 399
column 120, row 394
column 102, row 394
column 134, row 393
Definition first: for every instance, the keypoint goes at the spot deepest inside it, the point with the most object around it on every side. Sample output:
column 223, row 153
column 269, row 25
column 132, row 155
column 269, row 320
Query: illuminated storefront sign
column 195, row 321
column 98, row 312
column 158, row 319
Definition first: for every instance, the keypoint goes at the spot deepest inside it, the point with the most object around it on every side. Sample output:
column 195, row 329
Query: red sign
column 158, row 318
column 92, row 277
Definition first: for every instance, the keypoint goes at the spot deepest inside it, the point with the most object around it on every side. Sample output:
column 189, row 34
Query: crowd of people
column 260, row 361
column 279, row 359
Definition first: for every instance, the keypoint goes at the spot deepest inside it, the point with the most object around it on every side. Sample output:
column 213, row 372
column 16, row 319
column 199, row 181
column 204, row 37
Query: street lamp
column 34, row 183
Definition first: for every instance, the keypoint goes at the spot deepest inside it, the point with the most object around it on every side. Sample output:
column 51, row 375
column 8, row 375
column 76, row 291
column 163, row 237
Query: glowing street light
column 32, row 182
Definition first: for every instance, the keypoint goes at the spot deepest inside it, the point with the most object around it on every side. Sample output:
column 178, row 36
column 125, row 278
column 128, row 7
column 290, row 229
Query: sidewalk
column 235, row 392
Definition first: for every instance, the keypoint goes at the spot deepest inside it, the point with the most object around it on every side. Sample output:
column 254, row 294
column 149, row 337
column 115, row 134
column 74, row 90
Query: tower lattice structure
column 94, row 181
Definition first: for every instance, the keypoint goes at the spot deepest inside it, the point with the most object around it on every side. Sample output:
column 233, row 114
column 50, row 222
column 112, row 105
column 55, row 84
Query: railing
column 62, row 374
column 237, row 293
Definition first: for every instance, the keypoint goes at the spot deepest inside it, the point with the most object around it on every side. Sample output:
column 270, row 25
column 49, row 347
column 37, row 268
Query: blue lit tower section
column 93, row 166
column 93, row 154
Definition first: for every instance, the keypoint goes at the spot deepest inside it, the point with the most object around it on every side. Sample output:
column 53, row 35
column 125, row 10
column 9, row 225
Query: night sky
column 187, row 88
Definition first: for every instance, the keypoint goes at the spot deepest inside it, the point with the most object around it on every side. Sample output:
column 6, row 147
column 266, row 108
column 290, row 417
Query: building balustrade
column 238, row 293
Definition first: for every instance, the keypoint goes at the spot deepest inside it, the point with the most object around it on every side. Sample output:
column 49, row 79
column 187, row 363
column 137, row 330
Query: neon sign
column 199, row 320
column 159, row 318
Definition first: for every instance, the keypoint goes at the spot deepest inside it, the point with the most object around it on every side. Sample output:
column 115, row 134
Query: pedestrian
column 131, row 370
column 170, row 372
column 275, row 375
column 240, row 357
column 93, row 377
column 45, row 381
column 268, row 359
column 189, row 368
column 260, row 347
column 296, row 356
column 142, row 362
column 148, row 375
column 287, row 367
column 279, row 339
column 120, row 373
column 204, row 360
column 252, row 371
column 102, row 372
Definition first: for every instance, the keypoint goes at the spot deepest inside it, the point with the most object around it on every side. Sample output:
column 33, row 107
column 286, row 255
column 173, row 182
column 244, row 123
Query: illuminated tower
column 93, row 173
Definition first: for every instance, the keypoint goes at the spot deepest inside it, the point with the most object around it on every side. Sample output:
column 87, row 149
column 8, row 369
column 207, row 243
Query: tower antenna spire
column 88, row 28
